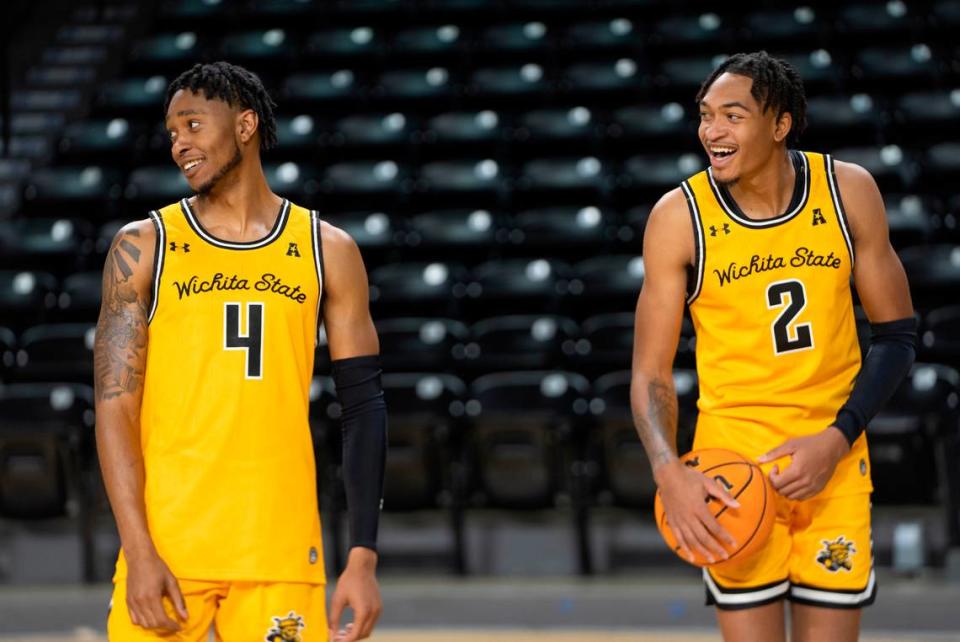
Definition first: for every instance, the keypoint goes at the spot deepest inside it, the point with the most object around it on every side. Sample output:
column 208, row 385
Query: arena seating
column 496, row 162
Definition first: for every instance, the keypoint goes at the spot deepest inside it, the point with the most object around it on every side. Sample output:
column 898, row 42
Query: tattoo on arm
column 658, row 429
column 121, row 343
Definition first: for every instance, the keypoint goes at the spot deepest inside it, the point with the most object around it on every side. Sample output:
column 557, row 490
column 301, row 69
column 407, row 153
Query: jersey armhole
column 699, row 248
column 158, row 256
column 834, row 186
column 318, row 265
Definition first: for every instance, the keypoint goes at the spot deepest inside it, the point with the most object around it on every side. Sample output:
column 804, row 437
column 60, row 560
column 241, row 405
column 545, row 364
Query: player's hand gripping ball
column 750, row 525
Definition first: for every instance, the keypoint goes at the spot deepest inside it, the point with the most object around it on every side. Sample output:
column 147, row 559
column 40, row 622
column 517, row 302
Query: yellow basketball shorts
column 237, row 612
column 819, row 553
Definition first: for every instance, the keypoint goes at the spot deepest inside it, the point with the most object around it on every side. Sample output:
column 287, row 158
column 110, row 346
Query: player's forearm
column 653, row 400
column 121, row 462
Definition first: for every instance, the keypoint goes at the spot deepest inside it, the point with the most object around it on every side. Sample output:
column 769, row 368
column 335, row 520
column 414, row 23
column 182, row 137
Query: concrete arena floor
column 446, row 609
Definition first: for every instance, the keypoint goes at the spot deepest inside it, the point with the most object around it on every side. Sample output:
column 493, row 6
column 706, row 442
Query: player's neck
column 242, row 200
column 768, row 192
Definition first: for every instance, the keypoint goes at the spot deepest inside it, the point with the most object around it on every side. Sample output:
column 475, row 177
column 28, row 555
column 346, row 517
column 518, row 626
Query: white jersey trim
column 161, row 249
column 746, row 597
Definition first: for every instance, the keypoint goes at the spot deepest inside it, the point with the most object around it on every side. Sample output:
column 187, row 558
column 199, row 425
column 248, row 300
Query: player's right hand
column 149, row 580
column 685, row 493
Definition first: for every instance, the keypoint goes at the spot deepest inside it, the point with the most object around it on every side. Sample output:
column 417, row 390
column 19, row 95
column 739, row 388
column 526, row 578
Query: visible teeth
column 191, row 164
column 722, row 150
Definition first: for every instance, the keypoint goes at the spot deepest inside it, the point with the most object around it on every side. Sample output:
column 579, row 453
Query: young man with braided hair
column 204, row 357
column 762, row 246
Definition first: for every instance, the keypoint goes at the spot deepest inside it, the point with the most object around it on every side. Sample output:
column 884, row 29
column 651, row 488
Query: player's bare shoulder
column 131, row 256
column 669, row 232
column 861, row 198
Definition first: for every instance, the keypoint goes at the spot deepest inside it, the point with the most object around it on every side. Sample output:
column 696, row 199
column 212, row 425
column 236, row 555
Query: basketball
column 750, row 525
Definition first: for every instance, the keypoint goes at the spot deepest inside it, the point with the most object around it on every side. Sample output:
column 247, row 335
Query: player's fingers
column 362, row 622
column 719, row 532
column 336, row 611
column 173, row 590
column 711, row 533
column 369, row 622
column 348, row 633
column 697, row 542
column 784, row 449
column 134, row 615
column 714, row 489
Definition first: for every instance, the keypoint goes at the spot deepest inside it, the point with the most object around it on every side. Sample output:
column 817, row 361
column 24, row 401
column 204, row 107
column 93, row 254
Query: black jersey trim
column 836, row 598
column 736, row 214
column 158, row 256
column 838, row 206
column 700, row 252
column 278, row 227
column 731, row 599
column 318, row 264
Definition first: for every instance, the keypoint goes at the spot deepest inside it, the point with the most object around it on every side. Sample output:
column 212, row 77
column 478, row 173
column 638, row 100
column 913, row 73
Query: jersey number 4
column 792, row 297
column 251, row 341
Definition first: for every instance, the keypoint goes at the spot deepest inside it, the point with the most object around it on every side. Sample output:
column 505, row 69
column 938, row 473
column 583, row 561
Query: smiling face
column 738, row 135
column 206, row 137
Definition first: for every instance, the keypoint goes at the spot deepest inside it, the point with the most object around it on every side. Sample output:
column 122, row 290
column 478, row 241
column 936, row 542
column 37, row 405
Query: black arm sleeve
column 364, row 426
column 892, row 351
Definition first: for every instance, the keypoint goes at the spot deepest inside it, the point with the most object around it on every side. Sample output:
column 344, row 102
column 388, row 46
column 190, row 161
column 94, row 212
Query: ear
column 784, row 125
column 247, row 124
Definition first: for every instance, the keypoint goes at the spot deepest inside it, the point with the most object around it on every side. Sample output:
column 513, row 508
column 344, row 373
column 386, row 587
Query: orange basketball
column 750, row 525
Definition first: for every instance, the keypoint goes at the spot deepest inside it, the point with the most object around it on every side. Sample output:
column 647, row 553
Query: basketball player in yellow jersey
column 762, row 247
column 204, row 356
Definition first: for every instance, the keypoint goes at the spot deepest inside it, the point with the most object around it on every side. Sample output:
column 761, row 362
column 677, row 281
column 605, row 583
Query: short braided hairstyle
column 235, row 86
column 776, row 85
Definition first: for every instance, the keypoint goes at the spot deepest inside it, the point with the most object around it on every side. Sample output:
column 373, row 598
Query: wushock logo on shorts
column 286, row 629
column 837, row 554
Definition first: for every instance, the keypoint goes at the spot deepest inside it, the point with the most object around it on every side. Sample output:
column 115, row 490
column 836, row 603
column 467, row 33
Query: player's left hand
column 358, row 589
column 813, row 460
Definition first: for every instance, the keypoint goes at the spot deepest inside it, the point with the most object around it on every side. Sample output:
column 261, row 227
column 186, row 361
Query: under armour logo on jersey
column 183, row 246
column 818, row 217
column 714, row 230
column 293, row 250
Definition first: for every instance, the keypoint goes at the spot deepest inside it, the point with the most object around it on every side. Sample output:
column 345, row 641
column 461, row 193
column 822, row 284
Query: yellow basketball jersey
column 230, row 482
column 777, row 350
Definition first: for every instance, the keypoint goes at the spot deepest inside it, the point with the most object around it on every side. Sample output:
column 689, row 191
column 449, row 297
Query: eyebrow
column 735, row 103
column 187, row 112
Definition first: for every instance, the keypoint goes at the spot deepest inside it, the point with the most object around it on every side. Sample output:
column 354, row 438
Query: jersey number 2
column 252, row 341
column 787, row 337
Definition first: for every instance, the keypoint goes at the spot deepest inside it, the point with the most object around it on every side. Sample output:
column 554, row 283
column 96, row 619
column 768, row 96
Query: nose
column 713, row 130
column 180, row 146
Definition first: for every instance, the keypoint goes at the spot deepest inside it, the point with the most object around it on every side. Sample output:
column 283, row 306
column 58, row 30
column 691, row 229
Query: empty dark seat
column 479, row 175
column 887, row 164
column 322, row 86
column 91, row 189
column 522, row 342
column 576, row 123
column 910, row 219
column 363, row 177
column 530, row 78
column 370, row 230
column 660, row 172
column 156, row 186
column 940, row 338
column 612, row 282
column 522, row 424
column 57, row 352
column 607, row 34
column 352, row 42
column 456, row 231
column 415, row 83
column 297, row 133
column 26, row 298
column 563, row 227
column 933, row 272
column 907, row 435
column 8, row 352
column 563, row 174
column 168, row 50
column 44, row 243
column 44, row 431
column 268, row 46
column 609, row 342
column 531, row 36
column 888, row 19
column 374, row 129
column 421, row 343
column 406, row 288
column 99, row 140
column 518, row 285
column 80, row 298
column 777, row 25
column 479, row 126
column 621, row 75
column 142, row 95
column 912, row 63
column 670, row 120
column 429, row 40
